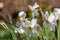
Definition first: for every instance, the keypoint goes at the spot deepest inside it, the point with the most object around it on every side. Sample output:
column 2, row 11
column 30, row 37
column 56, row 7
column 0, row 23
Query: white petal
column 35, row 13
column 34, row 22
column 46, row 15
column 27, row 22
column 57, row 10
column 30, row 7
column 35, row 32
column 18, row 24
column 52, row 18
column 20, row 30
column 22, row 14
column 15, row 31
column 51, row 26
column 35, row 5
column 45, row 24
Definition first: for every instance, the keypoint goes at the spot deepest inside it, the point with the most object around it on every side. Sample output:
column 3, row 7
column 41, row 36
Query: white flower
column 21, row 18
column 32, row 28
column 34, row 6
column 34, row 10
column 20, row 23
column 50, row 21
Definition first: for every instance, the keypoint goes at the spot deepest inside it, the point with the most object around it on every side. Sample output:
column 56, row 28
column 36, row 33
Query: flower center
column 30, row 28
column 47, row 21
column 19, row 19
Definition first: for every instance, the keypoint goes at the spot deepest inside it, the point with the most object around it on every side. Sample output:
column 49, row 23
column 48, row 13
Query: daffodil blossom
column 21, row 25
column 32, row 28
column 34, row 10
column 50, row 21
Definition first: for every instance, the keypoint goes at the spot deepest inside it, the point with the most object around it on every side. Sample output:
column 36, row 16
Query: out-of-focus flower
column 34, row 6
column 20, row 23
column 50, row 21
column 32, row 28
column 34, row 10
column 1, row 5
column 57, row 13
column 21, row 16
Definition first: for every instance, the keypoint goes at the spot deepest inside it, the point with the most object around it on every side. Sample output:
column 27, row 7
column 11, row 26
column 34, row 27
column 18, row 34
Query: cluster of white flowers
column 49, row 21
column 24, row 23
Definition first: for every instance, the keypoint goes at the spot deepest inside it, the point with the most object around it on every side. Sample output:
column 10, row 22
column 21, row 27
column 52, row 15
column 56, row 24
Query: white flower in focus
column 50, row 21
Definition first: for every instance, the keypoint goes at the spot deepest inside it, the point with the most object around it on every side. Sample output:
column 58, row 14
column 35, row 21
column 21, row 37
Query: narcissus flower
column 34, row 6
column 32, row 28
column 21, row 16
column 20, row 23
column 34, row 10
column 50, row 21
